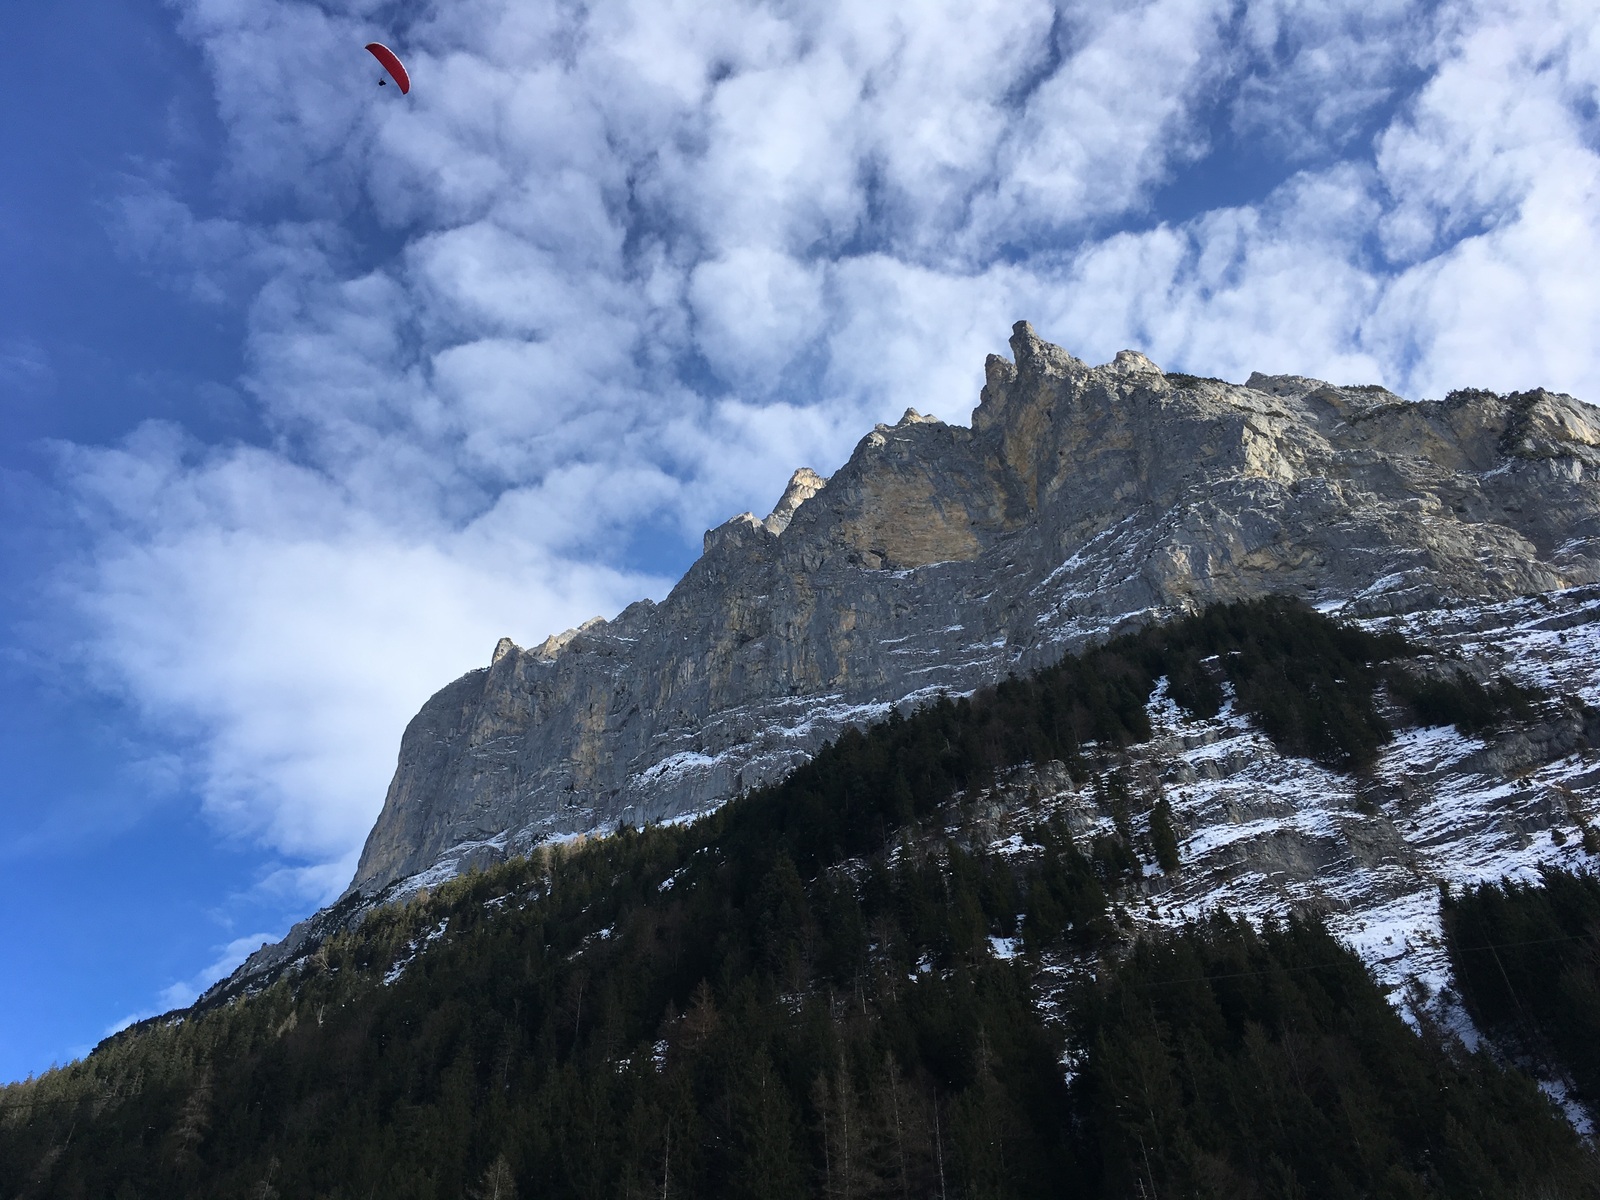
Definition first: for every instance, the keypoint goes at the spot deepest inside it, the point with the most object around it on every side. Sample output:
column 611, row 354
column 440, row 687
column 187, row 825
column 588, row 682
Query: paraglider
column 392, row 64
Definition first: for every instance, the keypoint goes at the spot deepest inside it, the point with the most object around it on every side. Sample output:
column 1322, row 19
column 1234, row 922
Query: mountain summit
column 940, row 558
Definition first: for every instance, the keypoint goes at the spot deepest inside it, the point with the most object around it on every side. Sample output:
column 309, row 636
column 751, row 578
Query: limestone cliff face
column 942, row 557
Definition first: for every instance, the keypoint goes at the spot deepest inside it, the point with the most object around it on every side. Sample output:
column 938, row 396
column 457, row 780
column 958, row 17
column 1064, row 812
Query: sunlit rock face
column 942, row 557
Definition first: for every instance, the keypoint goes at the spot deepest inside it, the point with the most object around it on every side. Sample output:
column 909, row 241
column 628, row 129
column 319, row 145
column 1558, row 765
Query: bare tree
column 497, row 1183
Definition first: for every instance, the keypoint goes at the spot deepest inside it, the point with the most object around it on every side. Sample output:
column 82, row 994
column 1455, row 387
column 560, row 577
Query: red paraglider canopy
column 392, row 64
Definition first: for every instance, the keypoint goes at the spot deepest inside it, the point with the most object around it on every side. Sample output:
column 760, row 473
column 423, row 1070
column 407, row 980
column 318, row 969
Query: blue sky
column 310, row 392
column 109, row 872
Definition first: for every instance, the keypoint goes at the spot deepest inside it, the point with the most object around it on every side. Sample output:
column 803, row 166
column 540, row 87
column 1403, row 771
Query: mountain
column 939, row 558
column 1111, row 798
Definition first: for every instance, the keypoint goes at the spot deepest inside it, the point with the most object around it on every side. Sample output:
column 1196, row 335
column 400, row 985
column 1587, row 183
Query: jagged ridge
column 940, row 558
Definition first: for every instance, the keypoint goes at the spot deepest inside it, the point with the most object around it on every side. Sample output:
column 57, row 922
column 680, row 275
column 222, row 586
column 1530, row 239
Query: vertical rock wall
column 942, row 557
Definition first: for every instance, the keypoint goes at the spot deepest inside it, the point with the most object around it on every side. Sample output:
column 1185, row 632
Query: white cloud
column 1114, row 117
column 1314, row 75
column 1268, row 288
column 619, row 267
column 1496, row 180
column 1503, row 115
column 245, row 603
column 755, row 310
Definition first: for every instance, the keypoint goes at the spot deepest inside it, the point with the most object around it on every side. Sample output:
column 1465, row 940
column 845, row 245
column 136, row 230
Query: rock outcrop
column 942, row 557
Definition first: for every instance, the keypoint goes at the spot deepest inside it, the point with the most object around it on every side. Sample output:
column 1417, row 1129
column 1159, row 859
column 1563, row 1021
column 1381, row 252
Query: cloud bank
column 613, row 270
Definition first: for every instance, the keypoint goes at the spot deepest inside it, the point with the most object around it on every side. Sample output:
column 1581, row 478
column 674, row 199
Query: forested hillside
column 1528, row 962
column 835, row 987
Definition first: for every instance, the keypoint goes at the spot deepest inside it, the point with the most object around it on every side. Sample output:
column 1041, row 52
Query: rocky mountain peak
column 1037, row 359
column 803, row 484
column 940, row 557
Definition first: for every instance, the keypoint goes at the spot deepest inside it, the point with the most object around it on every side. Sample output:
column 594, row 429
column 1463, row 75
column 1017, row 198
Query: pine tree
column 193, row 1120
column 1163, row 836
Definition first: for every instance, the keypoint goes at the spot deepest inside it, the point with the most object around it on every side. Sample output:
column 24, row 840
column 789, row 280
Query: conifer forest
column 804, row 995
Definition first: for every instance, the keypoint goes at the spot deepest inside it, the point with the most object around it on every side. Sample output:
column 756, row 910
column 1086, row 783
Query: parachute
column 392, row 64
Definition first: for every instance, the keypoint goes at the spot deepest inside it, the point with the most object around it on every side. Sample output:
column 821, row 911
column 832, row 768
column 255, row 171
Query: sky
column 310, row 392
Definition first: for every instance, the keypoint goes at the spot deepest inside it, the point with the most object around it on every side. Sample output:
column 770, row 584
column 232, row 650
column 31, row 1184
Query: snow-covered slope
column 1263, row 834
